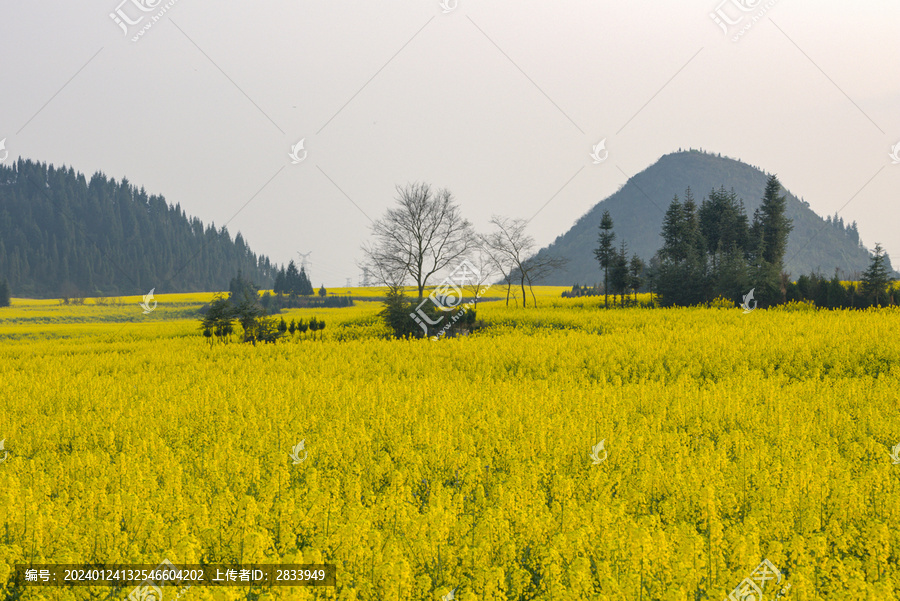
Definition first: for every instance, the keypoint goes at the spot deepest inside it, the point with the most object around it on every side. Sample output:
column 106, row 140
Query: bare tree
column 487, row 271
column 535, row 269
column 514, row 256
column 421, row 236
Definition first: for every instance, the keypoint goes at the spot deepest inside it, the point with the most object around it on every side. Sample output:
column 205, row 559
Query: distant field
column 464, row 463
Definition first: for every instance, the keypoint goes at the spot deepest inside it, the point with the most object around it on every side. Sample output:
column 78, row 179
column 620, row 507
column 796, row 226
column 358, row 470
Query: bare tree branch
column 418, row 238
column 513, row 253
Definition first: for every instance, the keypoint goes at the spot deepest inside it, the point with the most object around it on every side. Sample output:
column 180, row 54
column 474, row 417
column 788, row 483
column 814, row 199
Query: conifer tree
column 673, row 245
column 770, row 232
column 304, row 286
column 775, row 227
column 605, row 251
column 681, row 276
column 103, row 237
column 635, row 274
column 292, row 279
column 876, row 279
column 618, row 279
column 279, row 287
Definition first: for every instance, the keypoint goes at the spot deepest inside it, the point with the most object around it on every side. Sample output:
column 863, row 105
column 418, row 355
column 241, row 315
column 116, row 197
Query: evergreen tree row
column 62, row 235
column 242, row 305
column 620, row 275
column 291, row 281
column 714, row 251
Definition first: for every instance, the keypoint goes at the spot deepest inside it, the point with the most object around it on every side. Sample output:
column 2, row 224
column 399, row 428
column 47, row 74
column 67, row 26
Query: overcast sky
column 501, row 102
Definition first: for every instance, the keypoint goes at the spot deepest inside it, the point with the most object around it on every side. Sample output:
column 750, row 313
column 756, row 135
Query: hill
column 814, row 245
column 61, row 235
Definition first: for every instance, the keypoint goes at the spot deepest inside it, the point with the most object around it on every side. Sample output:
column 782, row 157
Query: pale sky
column 500, row 102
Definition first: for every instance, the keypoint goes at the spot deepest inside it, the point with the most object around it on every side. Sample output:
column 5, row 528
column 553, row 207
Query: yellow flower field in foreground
column 464, row 463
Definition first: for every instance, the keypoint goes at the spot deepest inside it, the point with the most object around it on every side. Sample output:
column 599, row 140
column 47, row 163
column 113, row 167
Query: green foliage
column 579, row 291
column 681, row 275
column 636, row 270
column 218, row 319
column 769, row 238
column 242, row 305
column 723, row 222
column 774, row 226
column 242, row 290
column 274, row 303
column 322, row 292
column 605, row 251
column 397, row 315
column 5, row 300
column 62, row 234
column 400, row 316
column 292, row 281
column 876, row 279
column 618, row 276
column 711, row 252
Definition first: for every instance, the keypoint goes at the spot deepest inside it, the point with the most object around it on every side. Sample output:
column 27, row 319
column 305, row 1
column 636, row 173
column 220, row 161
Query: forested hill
column 637, row 210
column 62, row 235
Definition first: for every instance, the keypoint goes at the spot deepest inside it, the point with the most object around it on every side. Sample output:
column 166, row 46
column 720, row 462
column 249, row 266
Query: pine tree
column 243, row 290
column 695, row 252
column 618, row 280
column 635, row 274
column 292, row 281
column 681, row 277
column 770, row 232
column 775, row 226
column 837, row 297
column 322, row 292
column 279, row 286
column 605, row 251
column 672, row 234
column 723, row 222
column 102, row 237
column 876, row 279
column 304, row 286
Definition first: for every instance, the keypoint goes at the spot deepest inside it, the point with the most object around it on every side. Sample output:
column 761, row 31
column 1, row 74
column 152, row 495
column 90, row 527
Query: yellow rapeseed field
column 460, row 465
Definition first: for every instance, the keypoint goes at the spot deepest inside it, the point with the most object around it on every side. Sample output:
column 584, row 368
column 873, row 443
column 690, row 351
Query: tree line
column 294, row 290
column 64, row 235
column 714, row 251
column 242, row 306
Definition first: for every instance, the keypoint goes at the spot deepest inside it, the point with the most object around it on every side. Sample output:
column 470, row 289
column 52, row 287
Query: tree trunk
column 606, row 288
column 524, row 298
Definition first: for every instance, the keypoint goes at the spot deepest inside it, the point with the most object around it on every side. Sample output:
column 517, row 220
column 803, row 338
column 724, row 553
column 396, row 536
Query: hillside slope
column 637, row 210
